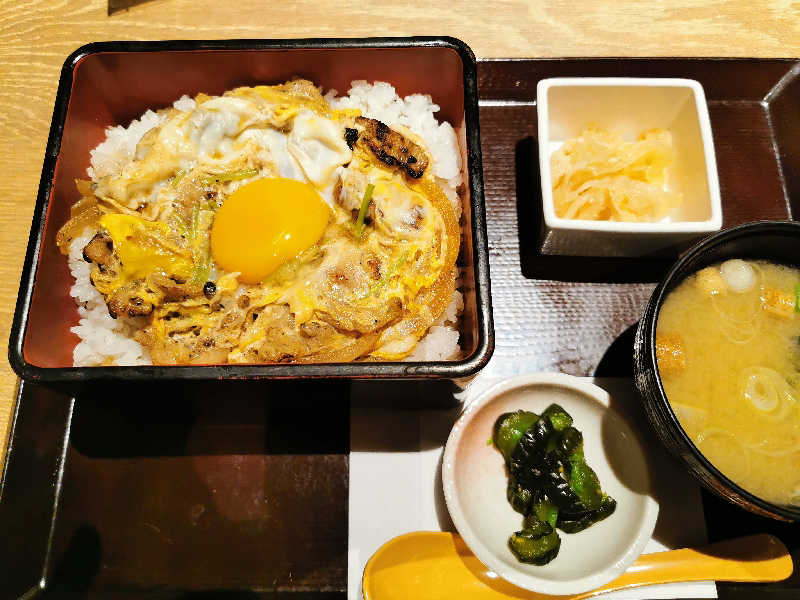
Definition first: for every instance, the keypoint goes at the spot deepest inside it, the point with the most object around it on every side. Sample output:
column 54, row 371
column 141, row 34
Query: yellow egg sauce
column 730, row 365
column 265, row 223
column 142, row 247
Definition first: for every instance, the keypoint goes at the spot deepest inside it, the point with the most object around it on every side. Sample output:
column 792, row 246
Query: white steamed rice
column 103, row 339
column 109, row 341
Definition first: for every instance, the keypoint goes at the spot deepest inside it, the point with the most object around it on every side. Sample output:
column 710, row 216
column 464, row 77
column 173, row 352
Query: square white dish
column 630, row 105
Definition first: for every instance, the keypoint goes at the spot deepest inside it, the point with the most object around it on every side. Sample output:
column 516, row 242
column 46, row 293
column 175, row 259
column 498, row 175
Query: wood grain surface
column 37, row 35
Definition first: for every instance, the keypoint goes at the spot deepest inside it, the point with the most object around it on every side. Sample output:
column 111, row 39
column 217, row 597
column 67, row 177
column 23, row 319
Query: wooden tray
column 242, row 488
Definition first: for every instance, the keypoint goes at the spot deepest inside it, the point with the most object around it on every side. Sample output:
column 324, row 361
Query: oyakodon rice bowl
column 270, row 224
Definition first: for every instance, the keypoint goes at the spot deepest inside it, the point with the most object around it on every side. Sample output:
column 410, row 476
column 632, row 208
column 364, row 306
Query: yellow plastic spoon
column 427, row 565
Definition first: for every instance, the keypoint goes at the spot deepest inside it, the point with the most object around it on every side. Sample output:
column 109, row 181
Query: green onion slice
column 797, row 298
column 177, row 177
column 362, row 212
column 231, row 176
column 389, row 274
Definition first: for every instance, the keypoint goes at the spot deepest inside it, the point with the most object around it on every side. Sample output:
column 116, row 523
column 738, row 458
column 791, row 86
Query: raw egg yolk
column 265, row 223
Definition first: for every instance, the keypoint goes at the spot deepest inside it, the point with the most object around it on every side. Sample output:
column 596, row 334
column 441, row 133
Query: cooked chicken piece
column 132, row 300
column 398, row 214
column 670, row 354
column 399, row 338
column 313, row 341
column 284, row 341
column 173, row 289
column 186, row 349
column 371, row 263
column 394, row 210
column 277, row 338
column 392, row 148
column 349, row 194
column 301, row 89
column 193, row 332
column 344, row 293
column 100, row 250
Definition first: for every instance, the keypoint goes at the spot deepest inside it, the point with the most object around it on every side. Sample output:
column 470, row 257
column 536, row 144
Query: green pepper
column 536, row 527
column 558, row 417
column 568, row 442
column 584, row 482
column 549, row 481
column 534, row 546
column 569, row 522
column 509, row 429
column 555, row 483
column 545, row 510
column 532, row 446
column 519, row 497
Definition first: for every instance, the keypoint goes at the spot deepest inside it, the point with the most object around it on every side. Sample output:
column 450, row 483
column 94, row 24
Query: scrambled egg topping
column 264, row 226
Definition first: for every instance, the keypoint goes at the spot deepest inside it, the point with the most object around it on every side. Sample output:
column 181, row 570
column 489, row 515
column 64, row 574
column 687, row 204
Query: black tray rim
column 389, row 370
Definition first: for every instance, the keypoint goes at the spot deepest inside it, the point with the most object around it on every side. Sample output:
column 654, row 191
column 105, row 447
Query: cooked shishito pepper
column 545, row 510
column 538, row 544
column 509, row 428
column 519, row 497
column 574, row 522
column 558, row 417
column 549, row 481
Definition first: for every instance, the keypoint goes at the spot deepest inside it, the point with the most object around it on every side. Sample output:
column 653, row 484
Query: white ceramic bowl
column 475, row 480
column 630, row 105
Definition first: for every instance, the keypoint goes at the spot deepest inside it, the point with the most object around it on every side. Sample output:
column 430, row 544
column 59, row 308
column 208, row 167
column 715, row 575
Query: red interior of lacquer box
column 111, row 88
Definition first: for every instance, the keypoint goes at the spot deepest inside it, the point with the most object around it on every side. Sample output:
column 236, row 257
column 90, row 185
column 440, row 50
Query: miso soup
column 728, row 351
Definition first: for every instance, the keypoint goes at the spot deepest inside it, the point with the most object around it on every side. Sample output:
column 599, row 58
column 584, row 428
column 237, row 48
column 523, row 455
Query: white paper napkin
column 395, row 484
